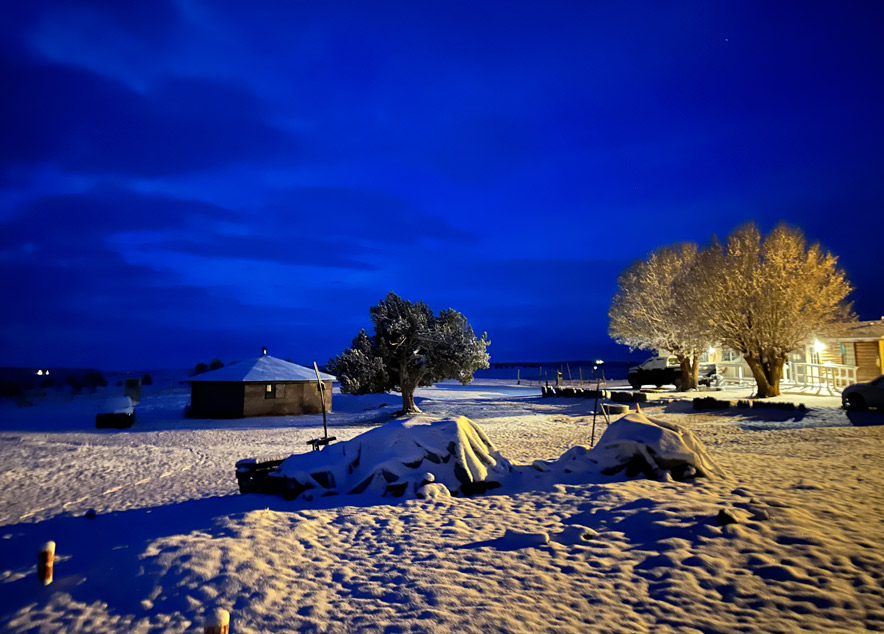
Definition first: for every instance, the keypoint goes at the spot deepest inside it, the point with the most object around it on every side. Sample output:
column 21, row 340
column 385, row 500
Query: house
column 859, row 344
column 841, row 354
column 265, row 386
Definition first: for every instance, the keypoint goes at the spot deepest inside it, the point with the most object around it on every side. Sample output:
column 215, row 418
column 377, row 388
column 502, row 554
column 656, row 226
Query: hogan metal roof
column 263, row 369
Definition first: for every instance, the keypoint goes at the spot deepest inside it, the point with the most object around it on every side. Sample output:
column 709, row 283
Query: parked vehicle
column 660, row 371
column 656, row 371
column 117, row 412
column 861, row 396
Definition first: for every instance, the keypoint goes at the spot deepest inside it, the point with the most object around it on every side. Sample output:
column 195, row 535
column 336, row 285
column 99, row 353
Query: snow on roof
column 261, row 370
column 856, row 330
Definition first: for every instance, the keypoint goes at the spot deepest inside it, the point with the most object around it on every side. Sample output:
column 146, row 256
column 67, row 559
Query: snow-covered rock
column 409, row 457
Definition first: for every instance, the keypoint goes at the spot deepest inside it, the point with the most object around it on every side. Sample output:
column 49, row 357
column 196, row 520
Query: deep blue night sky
column 182, row 180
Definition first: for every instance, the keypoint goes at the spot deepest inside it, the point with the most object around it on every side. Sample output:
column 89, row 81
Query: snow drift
column 414, row 457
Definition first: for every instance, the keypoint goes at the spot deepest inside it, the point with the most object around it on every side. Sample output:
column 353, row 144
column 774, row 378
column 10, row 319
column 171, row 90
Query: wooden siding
column 296, row 398
column 831, row 353
column 868, row 360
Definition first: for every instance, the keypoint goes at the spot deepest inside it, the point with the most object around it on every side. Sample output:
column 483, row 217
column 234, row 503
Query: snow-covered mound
column 419, row 457
column 637, row 444
column 411, row 457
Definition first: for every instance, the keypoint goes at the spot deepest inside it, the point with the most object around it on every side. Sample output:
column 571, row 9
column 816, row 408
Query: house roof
column 262, row 370
column 858, row 330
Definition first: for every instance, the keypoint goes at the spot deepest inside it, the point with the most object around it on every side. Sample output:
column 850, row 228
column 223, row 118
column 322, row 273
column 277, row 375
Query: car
column 660, row 371
column 656, row 371
column 861, row 396
column 117, row 412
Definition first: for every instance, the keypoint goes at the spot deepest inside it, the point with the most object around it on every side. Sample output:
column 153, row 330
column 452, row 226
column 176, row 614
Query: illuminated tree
column 661, row 305
column 772, row 294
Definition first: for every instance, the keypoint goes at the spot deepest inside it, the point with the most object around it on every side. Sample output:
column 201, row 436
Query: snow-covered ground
column 173, row 540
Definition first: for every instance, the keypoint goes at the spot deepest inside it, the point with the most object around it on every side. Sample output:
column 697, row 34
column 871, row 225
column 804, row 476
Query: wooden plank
column 867, row 360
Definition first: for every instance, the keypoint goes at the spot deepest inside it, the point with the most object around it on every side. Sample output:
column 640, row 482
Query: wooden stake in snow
column 219, row 622
column 321, row 398
column 45, row 560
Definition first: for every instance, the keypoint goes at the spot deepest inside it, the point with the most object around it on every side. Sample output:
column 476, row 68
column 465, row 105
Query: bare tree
column 771, row 295
column 661, row 305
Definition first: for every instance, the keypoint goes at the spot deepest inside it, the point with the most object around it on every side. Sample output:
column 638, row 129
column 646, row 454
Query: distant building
column 265, row 386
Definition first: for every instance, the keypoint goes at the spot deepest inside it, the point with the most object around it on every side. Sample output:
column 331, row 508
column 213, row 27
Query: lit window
column 272, row 390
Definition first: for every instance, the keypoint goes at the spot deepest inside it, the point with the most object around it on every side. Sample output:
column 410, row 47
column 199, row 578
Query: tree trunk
column 408, row 406
column 767, row 375
column 408, row 383
column 690, row 368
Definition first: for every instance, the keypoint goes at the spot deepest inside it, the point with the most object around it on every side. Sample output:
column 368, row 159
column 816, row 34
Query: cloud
column 89, row 124
column 299, row 250
column 78, row 221
column 361, row 215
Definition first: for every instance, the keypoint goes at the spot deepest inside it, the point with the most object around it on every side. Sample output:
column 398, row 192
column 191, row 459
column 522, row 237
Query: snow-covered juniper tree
column 660, row 305
column 411, row 347
column 771, row 295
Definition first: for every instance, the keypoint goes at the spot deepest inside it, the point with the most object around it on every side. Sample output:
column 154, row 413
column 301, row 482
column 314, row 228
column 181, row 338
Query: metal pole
column 594, row 412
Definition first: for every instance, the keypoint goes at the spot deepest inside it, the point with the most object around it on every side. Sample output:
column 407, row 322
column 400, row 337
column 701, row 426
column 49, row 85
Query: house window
column 273, row 390
column 729, row 356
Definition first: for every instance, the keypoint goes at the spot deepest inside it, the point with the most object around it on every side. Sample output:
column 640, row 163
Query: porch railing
column 831, row 377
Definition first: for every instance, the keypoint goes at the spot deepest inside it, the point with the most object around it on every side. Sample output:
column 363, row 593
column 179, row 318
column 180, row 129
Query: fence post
column 218, row 623
column 45, row 561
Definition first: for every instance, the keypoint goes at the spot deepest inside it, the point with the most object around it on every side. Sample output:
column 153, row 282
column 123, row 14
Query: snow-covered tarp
column 420, row 457
column 117, row 405
column 637, row 444
column 413, row 457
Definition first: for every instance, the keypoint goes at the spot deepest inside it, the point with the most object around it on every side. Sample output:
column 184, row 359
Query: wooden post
column 321, row 398
column 518, row 376
column 218, row 623
column 581, row 376
column 540, row 376
column 45, row 561
column 570, row 378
